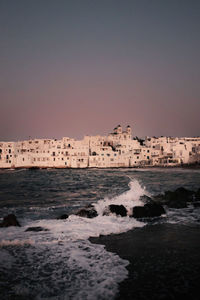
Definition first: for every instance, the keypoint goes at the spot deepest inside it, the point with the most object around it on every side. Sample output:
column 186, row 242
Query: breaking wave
column 67, row 265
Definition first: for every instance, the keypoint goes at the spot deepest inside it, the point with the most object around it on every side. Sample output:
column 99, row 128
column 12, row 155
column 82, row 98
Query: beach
column 164, row 261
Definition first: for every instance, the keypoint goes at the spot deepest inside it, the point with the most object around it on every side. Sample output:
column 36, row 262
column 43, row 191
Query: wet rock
column 176, row 199
column 119, row 210
column 87, row 212
column 180, row 194
column 62, row 217
column 145, row 198
column 10, row 220
column 149, row 210
column 36, row 229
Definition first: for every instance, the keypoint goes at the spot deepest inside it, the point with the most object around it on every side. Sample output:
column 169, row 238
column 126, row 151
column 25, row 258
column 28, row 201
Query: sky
column 75, row 68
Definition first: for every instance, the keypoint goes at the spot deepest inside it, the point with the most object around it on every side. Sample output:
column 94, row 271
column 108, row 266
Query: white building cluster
column 115, row 150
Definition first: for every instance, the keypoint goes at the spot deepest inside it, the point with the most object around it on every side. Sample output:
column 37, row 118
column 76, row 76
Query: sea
column 60, row 262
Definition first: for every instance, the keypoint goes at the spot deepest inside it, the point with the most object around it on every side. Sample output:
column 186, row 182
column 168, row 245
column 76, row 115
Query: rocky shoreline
column 152, row 207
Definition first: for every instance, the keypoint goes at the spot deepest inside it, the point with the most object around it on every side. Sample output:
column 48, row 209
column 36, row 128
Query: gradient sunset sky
column 71, row 68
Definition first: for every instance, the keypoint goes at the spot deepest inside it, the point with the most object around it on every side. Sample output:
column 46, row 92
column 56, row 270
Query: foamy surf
column 129, row 198
column 75, row 268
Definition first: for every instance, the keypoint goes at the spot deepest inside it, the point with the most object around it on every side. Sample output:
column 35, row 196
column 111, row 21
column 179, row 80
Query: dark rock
column 87, row 212
column 149, row 210
column 196, row 204
column 158, row 198
column 175, row 199
column 119, row 210
column 145, row 198
column 10, row 220
column 62, row 217
column 180, row 193
column 36, row 229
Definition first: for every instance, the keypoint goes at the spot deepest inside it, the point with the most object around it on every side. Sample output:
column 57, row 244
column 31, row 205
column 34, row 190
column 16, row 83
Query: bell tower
column 128, row 130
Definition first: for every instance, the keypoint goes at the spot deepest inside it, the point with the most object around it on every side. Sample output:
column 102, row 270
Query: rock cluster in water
column 119, row 210
column 149, row 210
column 87, row 212
column 180, row 198
column 153, row 207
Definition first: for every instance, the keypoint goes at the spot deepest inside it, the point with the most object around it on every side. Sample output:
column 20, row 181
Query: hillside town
column 116, row 150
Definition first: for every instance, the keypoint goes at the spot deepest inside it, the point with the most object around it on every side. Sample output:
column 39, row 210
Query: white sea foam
column 16, row 242
column 129, row 198
column 74, row 267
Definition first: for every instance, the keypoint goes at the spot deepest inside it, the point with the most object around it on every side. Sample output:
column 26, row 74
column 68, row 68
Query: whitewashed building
column 117, row 149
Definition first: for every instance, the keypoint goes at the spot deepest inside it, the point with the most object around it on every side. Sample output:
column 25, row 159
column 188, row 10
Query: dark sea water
column 61, row 263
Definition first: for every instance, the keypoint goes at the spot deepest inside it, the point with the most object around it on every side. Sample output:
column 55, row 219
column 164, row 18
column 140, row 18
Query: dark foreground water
column 61, row 262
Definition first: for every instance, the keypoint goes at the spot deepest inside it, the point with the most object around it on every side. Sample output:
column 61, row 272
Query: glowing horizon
column 72, row 68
